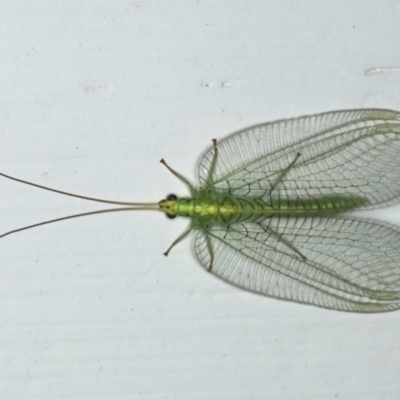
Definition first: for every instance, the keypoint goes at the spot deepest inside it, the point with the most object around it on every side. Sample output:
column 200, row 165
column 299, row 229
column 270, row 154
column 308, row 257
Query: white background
column 92, row 95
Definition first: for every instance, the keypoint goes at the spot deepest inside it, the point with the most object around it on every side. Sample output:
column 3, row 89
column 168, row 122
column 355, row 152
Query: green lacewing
column 270, row 213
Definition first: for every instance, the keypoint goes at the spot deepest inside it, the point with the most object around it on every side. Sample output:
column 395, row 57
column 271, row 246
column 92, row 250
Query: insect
column 270, row 213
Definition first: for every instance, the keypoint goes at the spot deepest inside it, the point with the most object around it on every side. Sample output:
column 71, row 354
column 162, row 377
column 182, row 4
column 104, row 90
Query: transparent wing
column 351, row 264
column 351, row 153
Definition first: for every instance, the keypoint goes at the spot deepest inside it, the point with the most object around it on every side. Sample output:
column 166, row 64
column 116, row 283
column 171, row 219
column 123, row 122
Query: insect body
column 269, row 214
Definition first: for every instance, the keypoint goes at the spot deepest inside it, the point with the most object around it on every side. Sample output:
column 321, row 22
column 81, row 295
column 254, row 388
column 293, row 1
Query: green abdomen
column 318, row 206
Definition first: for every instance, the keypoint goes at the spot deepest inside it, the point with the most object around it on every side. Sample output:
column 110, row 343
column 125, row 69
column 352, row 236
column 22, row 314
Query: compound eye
column 170, row 216
column 172, row 197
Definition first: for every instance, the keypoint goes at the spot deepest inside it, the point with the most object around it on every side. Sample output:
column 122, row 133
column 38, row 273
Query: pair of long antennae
column 123, row 206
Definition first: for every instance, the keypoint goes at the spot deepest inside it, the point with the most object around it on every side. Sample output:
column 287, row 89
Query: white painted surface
column 92, row 95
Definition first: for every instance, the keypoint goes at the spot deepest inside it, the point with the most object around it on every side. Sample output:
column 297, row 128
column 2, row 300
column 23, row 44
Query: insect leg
column 211, row 251
column 284, row 241
column 180, row 177
column 213, row 162
column 284, row 172
column 178, row 239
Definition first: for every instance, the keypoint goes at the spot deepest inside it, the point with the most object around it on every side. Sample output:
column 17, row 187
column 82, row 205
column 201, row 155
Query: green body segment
column 210, row 207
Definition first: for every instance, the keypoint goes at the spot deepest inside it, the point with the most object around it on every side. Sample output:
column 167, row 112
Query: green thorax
column 208, row 206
